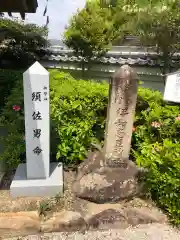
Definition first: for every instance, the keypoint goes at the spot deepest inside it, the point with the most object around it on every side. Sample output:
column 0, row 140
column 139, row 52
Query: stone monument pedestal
column 49, row 187
column 102, row 183
column 109, row 175
column 37, row 177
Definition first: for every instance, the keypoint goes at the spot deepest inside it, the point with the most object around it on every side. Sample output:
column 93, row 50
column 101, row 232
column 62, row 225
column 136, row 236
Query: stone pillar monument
column 109, row 175
column 37, row 124
column 37, row 177
column 120, row 116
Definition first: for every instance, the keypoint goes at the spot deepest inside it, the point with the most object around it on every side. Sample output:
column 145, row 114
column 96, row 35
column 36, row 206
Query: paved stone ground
column 142, row 232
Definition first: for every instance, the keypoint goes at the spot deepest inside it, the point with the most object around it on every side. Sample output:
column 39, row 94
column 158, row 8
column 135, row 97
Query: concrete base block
column 23, row 187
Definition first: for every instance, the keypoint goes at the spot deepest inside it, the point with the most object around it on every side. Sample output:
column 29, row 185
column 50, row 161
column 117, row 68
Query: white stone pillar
column 37, row 125
column 37, row 177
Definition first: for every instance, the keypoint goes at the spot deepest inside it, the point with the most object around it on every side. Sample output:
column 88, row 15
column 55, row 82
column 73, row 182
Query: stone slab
column 37, row 121
column 172, row 88
column 23, row 187
column 120, row 116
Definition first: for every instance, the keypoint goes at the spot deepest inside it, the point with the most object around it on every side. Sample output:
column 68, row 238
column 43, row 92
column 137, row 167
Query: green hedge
column 156, row 146
column 8, row 79
column 78, row 110
column 78, row 113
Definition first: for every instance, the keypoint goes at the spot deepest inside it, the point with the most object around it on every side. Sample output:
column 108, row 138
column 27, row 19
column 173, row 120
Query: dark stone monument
column 109, row 175
column 121, row 109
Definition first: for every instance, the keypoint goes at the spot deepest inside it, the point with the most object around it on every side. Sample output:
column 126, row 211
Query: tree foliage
column 21, row 43
column 156, row 23
column 90, row 31
column 159, row 25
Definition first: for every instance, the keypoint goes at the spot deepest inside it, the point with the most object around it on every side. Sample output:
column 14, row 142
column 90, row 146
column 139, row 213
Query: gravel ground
column 142, row 232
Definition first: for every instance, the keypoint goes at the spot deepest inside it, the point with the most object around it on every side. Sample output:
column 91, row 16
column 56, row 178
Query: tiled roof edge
column 145, row 61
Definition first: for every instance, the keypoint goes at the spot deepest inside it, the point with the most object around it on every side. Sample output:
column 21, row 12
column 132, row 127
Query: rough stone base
column 110, row 216
column 102, row 184
column 19, row 224
column 96, row 217
column 23, row 187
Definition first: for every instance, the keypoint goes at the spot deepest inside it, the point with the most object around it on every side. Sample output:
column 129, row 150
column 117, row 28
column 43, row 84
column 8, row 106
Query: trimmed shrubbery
column 78, row 113
column 8, row 79
column 78, row 110
column 156, row 146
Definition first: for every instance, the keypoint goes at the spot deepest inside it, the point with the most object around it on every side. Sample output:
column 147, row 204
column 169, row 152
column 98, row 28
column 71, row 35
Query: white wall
column 150, row 76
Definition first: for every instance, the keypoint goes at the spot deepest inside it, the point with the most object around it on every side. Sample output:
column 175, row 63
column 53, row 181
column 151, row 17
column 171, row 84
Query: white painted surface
column 150, row 76
column 172, row 88
column 36, row 83
column 21, row 187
